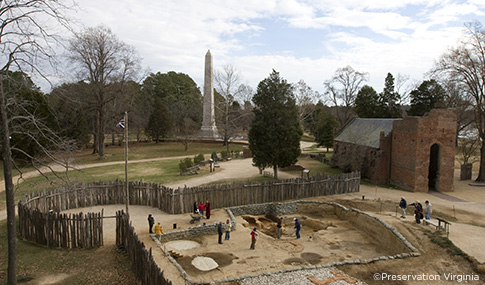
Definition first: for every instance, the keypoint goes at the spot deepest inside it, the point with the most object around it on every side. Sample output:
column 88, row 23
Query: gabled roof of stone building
column 363, row 131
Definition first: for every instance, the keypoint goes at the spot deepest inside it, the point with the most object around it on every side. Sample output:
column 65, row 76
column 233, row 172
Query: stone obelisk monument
column 209, row 129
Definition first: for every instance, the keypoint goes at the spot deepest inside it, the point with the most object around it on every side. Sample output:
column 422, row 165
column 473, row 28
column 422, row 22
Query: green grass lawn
column 316, row 166
column 137, row 151
column 161, row 172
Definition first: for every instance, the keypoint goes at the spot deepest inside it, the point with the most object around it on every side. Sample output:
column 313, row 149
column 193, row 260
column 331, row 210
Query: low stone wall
column 189, row 233
column 390, row 239
column 276, row 209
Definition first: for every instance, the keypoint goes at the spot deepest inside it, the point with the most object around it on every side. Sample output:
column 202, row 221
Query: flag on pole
column 121, row 124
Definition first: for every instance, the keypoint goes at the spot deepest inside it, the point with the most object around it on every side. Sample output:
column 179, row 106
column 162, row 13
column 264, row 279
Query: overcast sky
column 305, row 40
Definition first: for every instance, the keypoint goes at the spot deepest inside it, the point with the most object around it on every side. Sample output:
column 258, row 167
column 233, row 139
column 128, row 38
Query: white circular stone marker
column 204, row 263
column 181, row 245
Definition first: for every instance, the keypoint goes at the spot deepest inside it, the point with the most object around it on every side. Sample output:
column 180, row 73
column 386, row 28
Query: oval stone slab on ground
column 204, row 263
column 181, row 245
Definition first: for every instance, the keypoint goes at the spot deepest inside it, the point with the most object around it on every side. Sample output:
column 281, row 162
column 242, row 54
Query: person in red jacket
column 201, row 208
column 254, row 234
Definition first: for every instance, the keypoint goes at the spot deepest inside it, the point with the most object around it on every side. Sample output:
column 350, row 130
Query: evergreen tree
column 429, row 95
column 367, row 103
column 179, row 94
column 326, row 126
column 159, row 121
column 390, row 99
column 28, row 104
column 72, row 111
column 274, row 136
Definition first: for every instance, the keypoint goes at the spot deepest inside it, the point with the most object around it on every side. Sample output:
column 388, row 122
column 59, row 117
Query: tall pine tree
column 274, row 136
column 429, row 95
column 390, row 99
column 367, row 103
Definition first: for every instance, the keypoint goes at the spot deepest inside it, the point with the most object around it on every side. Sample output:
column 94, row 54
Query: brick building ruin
column 414, row 153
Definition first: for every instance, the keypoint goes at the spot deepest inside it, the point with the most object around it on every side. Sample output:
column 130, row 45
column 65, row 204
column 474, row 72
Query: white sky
column 305, row 40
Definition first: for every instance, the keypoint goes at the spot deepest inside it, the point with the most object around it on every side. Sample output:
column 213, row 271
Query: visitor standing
column 151, row 221
column 219, row 232
column 254, row 234
column 158, row 231
column 201, row 208
column 228, row 229
column 207, row 209
column 195, row 208
column 278, row 228
column 297, row 227
column 418, row 211
column 427, row 210
column 403, row 205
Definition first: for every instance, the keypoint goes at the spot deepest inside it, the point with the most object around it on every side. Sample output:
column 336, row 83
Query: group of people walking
column 418, row 209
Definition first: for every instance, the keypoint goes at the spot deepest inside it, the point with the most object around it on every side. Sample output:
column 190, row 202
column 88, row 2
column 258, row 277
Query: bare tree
column 465, row 66
column 25, row 40
column 404, row 88
column 228, row 85
column 188, row 131
column 102, row 60
column 342, row 90
column 306, row 98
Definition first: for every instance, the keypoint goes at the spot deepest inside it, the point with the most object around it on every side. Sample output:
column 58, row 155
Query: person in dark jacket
column 418, row 211
column 151, row 221
column 207, row 209
column 403, row 205
column 219, row 232
column 297, row 227
column 278, row 228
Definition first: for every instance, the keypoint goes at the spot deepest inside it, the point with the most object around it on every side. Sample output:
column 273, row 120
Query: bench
column 446, row 225
column 430, row 222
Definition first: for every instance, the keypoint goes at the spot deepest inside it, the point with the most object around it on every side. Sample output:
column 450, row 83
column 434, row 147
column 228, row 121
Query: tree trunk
column 275, row 170
column 100, row 133
column 466, row 171
column 95, row 141
column 9, row 191
column 481, row 171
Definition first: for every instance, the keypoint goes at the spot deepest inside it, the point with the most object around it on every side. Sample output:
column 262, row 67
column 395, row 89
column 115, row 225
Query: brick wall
column 412, row 139
column 372, row 163
column 403, row 157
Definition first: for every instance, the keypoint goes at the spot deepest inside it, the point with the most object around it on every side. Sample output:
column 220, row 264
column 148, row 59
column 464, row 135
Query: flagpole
column 126, row 162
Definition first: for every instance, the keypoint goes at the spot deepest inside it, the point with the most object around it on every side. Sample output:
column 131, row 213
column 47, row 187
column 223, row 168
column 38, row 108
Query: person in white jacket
column 427, row 210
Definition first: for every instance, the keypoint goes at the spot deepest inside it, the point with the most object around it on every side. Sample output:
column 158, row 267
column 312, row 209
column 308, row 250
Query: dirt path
column 469, row 207
column 234, row 169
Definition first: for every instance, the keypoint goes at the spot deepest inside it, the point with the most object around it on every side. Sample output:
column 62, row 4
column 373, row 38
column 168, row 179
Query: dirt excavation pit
column 326, row 237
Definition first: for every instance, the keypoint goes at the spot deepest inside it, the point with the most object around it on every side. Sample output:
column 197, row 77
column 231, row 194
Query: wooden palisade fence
column 40, row 220
column 54, row 229
column 144, row 265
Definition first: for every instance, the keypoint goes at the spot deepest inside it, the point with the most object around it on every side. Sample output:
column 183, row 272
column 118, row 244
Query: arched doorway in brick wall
column 434, row 167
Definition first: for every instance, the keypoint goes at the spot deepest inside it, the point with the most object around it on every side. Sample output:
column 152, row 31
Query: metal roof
column 363, row 131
